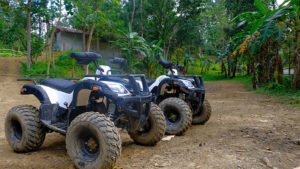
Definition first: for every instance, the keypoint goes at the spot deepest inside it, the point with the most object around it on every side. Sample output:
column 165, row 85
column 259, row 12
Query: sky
column 279, row 2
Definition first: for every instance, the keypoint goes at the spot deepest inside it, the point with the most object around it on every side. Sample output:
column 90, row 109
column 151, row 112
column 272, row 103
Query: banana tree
column 132, row 47
column 262, row 35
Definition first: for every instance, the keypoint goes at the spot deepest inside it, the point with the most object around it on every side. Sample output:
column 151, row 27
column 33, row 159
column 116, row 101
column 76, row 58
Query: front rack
column 197, row 78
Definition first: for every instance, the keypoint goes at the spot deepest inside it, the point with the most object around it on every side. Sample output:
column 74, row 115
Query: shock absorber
column 111, row 111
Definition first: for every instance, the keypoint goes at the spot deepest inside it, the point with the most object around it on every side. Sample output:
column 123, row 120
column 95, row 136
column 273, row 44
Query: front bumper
column 195, row 96
column 134, row 106
column 137, row 109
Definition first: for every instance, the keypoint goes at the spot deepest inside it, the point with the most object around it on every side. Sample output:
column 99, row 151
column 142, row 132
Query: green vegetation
column 10, row 53
column 65, row 67
column 242, row 40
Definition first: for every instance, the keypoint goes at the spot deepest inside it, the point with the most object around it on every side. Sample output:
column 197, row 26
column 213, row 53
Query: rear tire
column 93, row 141
column 156, row 128
column 204, row 113
column 178, row 115
column 23, row 129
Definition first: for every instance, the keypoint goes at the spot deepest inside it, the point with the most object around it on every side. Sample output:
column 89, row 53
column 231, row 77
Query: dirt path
column 246, row 130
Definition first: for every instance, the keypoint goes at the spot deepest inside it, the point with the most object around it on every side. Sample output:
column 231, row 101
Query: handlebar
column 119, row 61
column 170, row 65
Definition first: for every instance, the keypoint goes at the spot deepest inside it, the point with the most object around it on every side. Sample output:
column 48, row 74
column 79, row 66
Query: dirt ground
column 246, row 130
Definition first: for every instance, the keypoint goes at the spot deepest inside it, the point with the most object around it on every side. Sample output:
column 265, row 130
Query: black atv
column 189, row 88
column 87, row 112
column 182, row 98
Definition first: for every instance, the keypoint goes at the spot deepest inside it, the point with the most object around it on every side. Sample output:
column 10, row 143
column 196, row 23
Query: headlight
column 118, row 88
column 188, row 83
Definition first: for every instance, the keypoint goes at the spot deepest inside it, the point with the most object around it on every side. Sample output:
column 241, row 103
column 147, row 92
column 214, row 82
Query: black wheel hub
column 16, row 130
column 91, row 145
column 88, row 144
column 172, row 115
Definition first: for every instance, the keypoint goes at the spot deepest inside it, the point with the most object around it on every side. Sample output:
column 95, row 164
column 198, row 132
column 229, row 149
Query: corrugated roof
column 70, row 30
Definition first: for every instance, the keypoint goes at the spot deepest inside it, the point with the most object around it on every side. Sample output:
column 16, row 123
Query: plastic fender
column 157, row 82
column 102, row 89
column 171, row 82
column 37, row 91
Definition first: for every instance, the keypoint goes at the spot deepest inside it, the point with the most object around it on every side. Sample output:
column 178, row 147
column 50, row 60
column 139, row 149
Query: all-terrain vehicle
column 87, row 112
column 182, row 98
column 189, row 89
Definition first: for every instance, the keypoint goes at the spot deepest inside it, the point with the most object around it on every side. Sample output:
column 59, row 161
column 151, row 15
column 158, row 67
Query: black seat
column 63, row 85
column 150, row 82
column 166, row 64
column 85, row 58
column 118, row 61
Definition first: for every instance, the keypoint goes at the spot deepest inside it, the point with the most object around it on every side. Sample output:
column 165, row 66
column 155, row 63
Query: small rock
column 161, row 165
column 167, row 138
column 266, row 161
column 191, row 165
column 297, row 142
column 269, row 148
column 201, row 144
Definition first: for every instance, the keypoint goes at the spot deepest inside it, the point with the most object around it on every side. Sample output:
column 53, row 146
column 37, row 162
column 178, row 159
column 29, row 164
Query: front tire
column 93, row 141
column 204, row 113
column 153, row 131
column 23, row 129
column 178, row 115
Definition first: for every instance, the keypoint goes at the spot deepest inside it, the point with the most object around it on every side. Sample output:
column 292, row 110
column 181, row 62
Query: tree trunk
column 234, row 67
column 89, row 43
column 53, row 61
column 279, row 69
column 254, row 79
column 50, row 40
column 142, row 20
column 289, row 58
column 28, row 35
column 83, row 37
column 228, row 69
column 169, row 43
column 132, row 15
column 296, row 81
column 222, row 67
column 248, row 69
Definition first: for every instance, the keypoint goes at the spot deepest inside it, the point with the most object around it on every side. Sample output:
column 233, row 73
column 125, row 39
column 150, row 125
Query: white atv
column 87, row 112
column 182, row 98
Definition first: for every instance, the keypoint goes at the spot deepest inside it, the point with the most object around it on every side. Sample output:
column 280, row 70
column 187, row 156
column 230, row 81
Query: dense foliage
column 258, row 38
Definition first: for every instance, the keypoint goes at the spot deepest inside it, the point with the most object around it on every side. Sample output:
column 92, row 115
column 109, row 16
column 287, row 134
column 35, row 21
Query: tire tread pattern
column 111, row 135
column 33, row 135
column 187, row 122
column 206, row 114
column 160, row 121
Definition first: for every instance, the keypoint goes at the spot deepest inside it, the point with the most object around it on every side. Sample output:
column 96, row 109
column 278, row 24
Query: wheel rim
column 172, row 115
column 16, row 134
column 88, row 144
column 146, row 128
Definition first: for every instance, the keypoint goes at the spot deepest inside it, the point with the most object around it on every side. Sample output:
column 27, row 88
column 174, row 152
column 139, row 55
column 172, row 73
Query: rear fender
column 91, row 85
column 37, row 91
column 169, row 82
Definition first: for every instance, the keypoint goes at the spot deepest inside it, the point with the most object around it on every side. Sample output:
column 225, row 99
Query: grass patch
column 283, row 91
column 11, row 53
